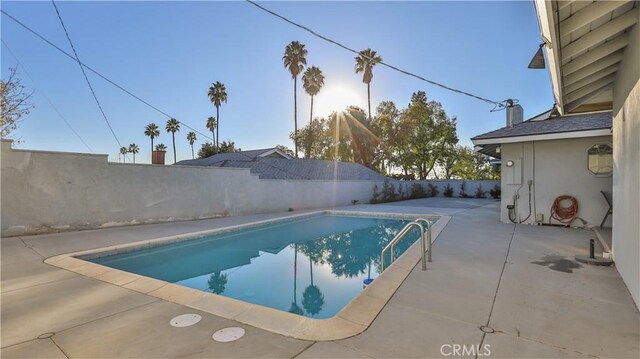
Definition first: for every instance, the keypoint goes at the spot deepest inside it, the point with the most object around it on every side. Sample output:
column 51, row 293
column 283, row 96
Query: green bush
column 479, row 192
column 432, row 190
column 388, row 192
column 448, row 191
column 417, row 191
column 463, row 190
column 496, row 192
column 375, row 197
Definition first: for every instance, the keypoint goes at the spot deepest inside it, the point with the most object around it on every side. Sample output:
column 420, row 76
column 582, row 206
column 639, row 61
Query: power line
column 497, row 104
column 85, row 75
column 46, row 97
column 98, row 73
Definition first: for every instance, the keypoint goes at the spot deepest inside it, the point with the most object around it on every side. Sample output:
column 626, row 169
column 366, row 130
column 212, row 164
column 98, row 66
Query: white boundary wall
column 52, row 191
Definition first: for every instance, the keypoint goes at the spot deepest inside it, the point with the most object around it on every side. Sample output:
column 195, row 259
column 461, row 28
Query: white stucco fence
column 52, row 191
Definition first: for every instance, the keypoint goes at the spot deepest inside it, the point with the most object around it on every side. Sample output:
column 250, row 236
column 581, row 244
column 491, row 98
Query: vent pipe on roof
column 515, row 114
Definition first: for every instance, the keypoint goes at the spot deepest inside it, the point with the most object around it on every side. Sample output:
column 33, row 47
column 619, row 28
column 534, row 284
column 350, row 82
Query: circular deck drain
column 487, row 329
column 226, row 335
column 185, row 320
column 46, row 335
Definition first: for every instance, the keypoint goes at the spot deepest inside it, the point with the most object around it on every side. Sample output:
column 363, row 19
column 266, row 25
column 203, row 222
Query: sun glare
column 337, row 97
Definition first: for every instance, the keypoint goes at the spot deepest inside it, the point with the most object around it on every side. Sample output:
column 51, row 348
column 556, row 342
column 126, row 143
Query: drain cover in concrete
column 185, row 320
column 487, row 329
column 230, row 334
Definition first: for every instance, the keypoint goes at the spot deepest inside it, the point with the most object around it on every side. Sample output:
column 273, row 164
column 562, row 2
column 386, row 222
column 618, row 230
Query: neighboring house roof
column 286, row 168
column 542, row 127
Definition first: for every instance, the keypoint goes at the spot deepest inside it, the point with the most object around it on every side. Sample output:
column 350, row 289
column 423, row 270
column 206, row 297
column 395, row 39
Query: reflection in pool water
column 312, row 266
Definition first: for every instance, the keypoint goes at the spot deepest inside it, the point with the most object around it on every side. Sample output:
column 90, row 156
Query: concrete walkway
column 520, row 281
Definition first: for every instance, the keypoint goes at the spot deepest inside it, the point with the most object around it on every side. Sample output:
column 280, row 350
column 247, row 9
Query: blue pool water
column 312, row 266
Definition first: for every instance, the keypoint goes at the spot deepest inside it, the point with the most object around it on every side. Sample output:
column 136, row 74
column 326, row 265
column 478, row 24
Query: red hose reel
column 564, row 209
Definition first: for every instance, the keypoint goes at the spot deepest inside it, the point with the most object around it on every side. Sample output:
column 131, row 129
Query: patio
column 519, row 280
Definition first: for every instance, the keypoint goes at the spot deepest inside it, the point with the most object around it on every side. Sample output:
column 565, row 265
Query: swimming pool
column 311, row 266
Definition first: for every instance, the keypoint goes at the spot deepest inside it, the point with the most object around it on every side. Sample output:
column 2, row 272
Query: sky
column 169, row 53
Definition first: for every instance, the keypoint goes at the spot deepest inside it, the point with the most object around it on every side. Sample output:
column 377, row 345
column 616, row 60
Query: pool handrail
column 429, row 244
column 398, row 237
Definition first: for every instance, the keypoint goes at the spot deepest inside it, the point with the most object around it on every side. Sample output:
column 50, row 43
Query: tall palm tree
column 161, row 147
column 123, row 152
column 217, row 95
column 173, row 126
column 133, row 148
column 212, row 124
column 152, row 131
column 294, row 60
column 191, row 137
column 365, row 62
column 312, row 82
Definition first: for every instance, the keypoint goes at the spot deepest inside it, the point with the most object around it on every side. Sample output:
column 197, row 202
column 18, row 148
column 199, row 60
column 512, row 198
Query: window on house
column 600, row 159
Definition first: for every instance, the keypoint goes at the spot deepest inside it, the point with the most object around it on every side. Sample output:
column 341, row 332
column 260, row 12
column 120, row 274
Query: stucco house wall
column 626, row 170
column 560, row 169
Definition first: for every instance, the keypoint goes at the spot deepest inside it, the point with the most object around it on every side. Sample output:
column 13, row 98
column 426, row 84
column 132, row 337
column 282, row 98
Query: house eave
column 542, row 137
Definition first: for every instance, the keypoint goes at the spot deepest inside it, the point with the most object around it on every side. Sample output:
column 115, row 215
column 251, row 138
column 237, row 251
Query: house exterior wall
column 626, row 170
column 48, row 191
column 560, row 169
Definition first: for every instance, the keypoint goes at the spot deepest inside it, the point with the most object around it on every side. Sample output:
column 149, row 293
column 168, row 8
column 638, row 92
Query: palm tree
column 312, row 82
column 152, row 131
column 191, row 137
column 133, row 148
column 365, row 62
column 173, row 126
column 123, row 152
column 161, row 147
column 294, row 60
column 217, row 95
column 212, row 124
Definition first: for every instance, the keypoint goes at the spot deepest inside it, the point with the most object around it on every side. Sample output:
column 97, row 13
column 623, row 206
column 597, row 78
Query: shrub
column 417, row 191
column 388, row 191
column 496, row 192
column 479, row 192
column 375, row 197
column 463, row 189
column 432, row 190
column 448, row 191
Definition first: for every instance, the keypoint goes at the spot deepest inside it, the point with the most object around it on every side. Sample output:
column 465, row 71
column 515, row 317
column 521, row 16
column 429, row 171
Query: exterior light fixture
column 537, row 62
column 498, row 149
column 510, row 163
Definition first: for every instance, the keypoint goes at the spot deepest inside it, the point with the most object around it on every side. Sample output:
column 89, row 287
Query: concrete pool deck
column 519, row 280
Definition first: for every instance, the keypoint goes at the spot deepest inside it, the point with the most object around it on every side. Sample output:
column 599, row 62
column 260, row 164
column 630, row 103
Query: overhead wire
column 42, row 93
column 498, row 105
column 118, row 86
column 95, row 97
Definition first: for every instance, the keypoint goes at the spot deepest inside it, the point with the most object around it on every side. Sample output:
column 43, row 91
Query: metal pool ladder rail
column 401, row 235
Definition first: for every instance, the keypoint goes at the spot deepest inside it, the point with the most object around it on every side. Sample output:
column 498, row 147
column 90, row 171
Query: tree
column 123, row 152
column 365, row 62
column 217, row 96
column 429, row 132
column 285, row 150
column 313, row 139
column 294, row 60
column 173, row 126
column 208, row 149
column 14, row 103
column 212, row 124
column 133, row 148
column 161, row 147
column 191, row 137
column 384, row 125
column 152, row 131
column 352, row 136
column 312, row 82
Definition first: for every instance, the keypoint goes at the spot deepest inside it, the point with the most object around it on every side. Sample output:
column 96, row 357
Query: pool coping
column 351, row 320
